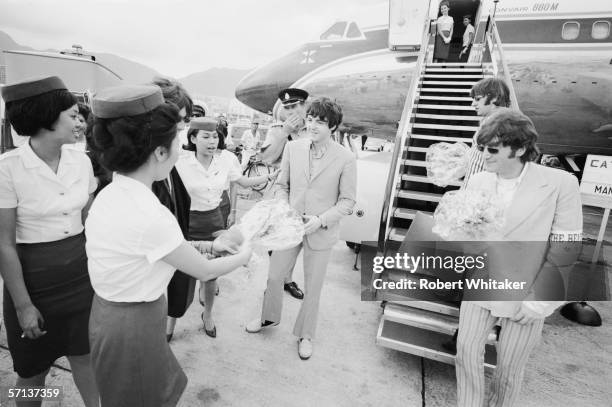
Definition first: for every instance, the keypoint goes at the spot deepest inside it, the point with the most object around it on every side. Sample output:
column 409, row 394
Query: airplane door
column 406, row 19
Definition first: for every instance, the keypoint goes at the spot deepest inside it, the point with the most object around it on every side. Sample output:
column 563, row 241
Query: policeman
column 292, row 126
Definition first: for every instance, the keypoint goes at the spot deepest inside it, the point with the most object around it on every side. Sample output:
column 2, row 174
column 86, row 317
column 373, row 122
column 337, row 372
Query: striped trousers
column 515, row 343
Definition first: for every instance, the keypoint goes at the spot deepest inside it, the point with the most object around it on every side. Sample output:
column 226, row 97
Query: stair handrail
column 495, row 46
column 405, row 122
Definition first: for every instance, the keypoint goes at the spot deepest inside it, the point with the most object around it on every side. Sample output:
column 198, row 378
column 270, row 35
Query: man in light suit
column 541, row 204
column 318, row 179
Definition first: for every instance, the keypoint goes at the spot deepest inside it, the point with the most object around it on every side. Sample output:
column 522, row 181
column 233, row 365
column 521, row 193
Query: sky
column 180, row 37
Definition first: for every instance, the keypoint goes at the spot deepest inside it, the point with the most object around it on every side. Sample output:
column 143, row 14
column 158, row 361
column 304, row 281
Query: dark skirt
column 225, row 207
column 55, row 275
column 132, row 362
column 442, row 49
column 202, row 224
column 181, row 290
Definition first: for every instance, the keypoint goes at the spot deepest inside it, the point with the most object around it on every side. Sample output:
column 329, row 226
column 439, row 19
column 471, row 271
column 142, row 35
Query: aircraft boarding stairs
column 441, row 112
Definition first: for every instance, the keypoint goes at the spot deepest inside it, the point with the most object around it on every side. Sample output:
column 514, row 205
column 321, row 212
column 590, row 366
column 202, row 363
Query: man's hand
column 30, row 321
column 313, row 223
column 525, row 316
column 293, row 124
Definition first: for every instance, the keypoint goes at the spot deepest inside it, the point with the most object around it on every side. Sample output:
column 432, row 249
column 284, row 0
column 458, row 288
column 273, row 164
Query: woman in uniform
column 206, row 174
column 135, row 244
column 444, row 35
column 45, row 191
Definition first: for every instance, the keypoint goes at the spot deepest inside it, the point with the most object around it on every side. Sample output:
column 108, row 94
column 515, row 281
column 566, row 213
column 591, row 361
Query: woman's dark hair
column 190, row 146
column 28, row 116
column 326, row 109
column 510, row 128
column 444, row 3
column 125, row 143
column 174, row 92
column 84, row 110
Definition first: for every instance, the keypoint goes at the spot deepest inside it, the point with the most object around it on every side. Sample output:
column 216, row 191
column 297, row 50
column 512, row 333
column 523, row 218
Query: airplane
column 559, row 54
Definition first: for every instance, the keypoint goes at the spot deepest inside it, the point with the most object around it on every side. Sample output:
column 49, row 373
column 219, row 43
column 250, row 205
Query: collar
column 32, row 160
column 130, row 183
column 322, row 149
column 517, row 180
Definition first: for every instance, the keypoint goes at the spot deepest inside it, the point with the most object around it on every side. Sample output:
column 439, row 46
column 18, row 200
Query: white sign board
column 596, row 185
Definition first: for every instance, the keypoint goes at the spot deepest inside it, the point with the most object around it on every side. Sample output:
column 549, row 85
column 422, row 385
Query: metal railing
column 401, row 137
column 494, row 61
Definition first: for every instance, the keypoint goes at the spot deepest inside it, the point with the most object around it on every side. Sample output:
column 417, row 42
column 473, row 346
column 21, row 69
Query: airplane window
column 571, row 30
column 353, row 31
column 601, row 30
column 335, row 32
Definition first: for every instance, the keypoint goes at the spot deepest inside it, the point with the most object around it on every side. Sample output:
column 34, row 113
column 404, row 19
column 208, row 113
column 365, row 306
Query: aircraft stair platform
column 437, row 109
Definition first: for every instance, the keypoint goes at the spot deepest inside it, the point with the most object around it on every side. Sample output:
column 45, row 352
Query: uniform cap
column 291, row 96
column 203, row 123
column 31, row 87
column 126, row 100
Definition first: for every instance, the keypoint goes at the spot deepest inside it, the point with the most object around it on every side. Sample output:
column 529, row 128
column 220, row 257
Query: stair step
column 414, row 163
column 442, row 76
column 454, row 64
column 419, row 196
column 444, row 127
column 405, row 213
column 446, row 107
column 447, row 117
column 439, row 307
column 450, row 83
column 413, row 149
column 426, row 180
column 445, row 90
column 397, row 234
column 467, row 140
column 444, row 70
column 420, row 318
column 447, row 98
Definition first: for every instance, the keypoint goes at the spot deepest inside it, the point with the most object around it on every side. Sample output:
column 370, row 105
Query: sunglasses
column 491, row 150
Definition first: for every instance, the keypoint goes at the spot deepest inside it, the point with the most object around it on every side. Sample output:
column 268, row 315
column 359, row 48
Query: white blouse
column 128, row 233
column 205, row 186
column 48, row 204
column 445, row 23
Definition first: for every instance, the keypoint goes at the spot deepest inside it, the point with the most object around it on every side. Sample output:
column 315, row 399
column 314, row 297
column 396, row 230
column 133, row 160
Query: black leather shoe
column 293, row 289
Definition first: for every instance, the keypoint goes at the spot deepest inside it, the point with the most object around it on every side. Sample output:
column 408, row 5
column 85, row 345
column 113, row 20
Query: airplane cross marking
column 308, row 56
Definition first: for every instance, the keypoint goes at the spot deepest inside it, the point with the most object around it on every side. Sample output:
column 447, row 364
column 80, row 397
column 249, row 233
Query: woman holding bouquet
column 134, row 245
column 206, row 174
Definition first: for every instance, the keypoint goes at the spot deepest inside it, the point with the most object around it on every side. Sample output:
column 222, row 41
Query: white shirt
column 128, row 233
column 205, row 186
column 250, row 141
column 466, row 34
column 48, row 204
column 445, row 23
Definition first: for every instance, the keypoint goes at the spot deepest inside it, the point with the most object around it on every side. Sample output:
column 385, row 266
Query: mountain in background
column 214, row 82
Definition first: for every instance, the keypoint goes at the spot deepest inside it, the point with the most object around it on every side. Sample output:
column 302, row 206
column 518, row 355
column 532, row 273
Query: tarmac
column 571, row 366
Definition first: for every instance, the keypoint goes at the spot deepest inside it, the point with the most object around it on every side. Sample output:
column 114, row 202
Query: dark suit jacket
column 182, row 287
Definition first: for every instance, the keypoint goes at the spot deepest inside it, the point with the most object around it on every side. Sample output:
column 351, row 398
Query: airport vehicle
column 556, row 58
column 80, row 72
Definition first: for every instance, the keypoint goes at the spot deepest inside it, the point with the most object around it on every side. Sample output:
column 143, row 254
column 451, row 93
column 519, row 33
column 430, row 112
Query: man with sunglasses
column 541, row 204
column 489, row 95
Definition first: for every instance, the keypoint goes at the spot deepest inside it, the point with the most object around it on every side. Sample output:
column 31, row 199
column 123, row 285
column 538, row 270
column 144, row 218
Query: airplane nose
column 258, row 91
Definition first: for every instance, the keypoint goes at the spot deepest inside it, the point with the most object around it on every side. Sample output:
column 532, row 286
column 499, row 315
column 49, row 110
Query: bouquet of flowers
column 469, row 215
column 446, row 162
column 268, row 225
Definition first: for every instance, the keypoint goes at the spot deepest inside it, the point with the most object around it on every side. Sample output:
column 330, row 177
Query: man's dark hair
column 84, row 110
column 469, row 17
column 174, row 92
column 123, row 144
column 492, row 88
column 29, row 115
column 326, row 109
column 510, row 128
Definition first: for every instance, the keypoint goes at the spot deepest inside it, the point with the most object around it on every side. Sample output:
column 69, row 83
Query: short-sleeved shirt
column 445, row 23
column 205, row 186
column 48, row 204
column 250, row 141
column 466, row 34
column 128, row 233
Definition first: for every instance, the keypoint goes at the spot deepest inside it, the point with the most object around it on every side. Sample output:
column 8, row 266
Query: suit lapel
column 531, row 193
column 330, row 156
